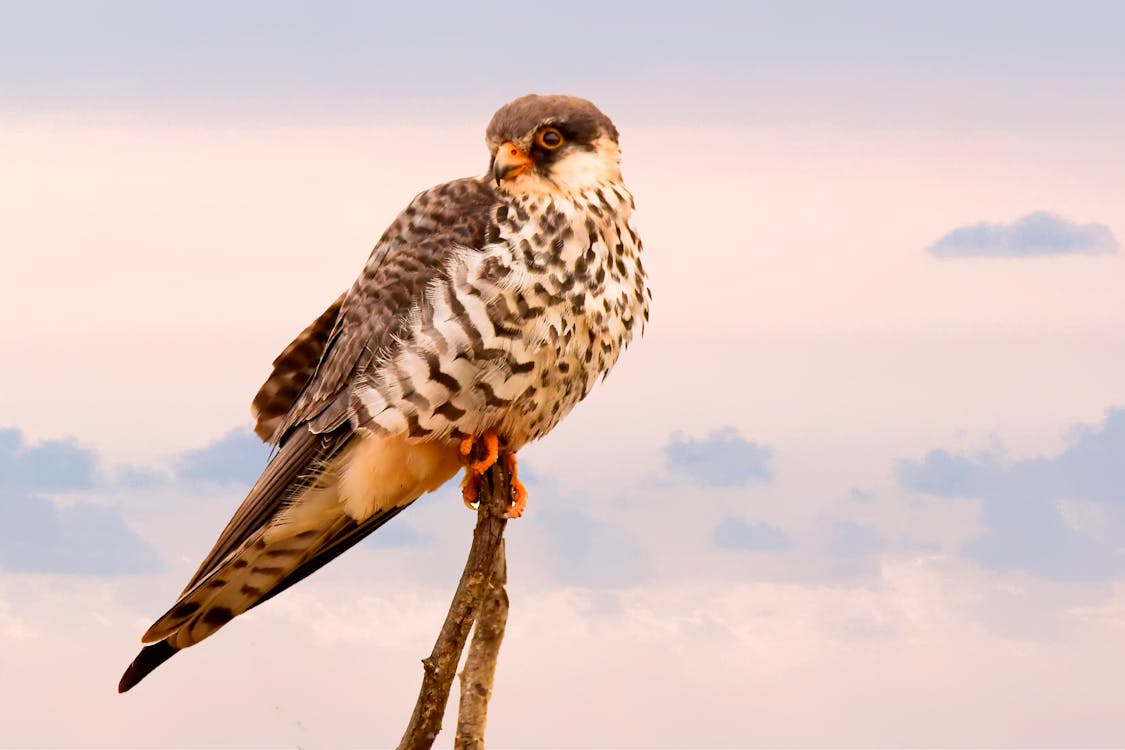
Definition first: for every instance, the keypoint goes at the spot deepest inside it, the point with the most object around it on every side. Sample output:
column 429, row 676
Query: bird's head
column 559, row 145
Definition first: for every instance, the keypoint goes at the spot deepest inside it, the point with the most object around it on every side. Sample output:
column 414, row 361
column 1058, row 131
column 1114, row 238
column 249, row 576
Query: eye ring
column 549, row 138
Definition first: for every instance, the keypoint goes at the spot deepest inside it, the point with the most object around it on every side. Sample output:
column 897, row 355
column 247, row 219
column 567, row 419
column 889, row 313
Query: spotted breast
column 516, row 333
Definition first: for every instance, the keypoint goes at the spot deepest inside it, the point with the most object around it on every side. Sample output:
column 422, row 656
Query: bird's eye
column 549, row 138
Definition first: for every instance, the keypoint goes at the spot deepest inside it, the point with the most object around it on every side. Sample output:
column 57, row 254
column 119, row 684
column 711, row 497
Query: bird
column 487, row 310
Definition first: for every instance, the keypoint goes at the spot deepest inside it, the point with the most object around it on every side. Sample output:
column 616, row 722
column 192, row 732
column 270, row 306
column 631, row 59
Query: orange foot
column 470, row 488
column 491, row 452
column 470, row 485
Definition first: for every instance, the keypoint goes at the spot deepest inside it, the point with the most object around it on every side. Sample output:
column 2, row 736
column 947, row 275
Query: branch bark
column 439, row 668
column 480, row 665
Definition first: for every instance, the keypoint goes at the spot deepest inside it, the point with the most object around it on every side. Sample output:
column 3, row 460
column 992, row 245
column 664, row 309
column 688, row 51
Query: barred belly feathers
column 512, row 336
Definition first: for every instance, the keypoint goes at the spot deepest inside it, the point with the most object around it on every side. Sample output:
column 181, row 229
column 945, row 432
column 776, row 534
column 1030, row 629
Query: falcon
column 487, row 310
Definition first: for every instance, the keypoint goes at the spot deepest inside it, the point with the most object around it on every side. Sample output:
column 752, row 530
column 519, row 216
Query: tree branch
column 440, row 667
column 480, row 665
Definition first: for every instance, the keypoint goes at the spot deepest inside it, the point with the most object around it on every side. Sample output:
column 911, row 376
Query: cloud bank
column 1035, row 235
column 734, row 533
column 40, row 536
column 85, row 533
column 1058, row 517
column 50, row 466
column 237, row 457
column 722, row 459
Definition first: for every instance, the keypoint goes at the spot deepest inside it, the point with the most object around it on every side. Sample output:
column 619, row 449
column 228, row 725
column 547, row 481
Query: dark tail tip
column 147, row 660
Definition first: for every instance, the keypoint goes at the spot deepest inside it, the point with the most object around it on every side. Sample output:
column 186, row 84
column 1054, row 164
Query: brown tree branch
column 480, row 665
column 440, row 667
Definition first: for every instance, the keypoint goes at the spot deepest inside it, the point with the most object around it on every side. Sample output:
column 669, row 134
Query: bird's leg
column 470, row 485
column 491, row 452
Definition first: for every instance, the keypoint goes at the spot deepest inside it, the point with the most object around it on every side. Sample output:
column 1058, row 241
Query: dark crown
column 517, row 120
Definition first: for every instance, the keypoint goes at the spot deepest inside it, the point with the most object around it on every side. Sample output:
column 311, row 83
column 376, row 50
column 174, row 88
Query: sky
column 860, row 484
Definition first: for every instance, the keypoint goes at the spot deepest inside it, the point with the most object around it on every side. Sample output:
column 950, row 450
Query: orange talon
column 492, row 452
column 470, row 485
column 519, row 499
column 470, row 488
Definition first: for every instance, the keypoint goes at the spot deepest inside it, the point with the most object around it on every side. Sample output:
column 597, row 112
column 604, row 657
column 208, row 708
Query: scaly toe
column 492, row 452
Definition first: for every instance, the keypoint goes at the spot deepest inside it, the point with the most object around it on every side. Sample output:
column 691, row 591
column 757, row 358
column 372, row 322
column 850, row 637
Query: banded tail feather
column 155, row 654
column 319, row 496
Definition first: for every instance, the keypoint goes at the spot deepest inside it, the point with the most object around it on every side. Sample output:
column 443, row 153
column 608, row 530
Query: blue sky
column 865, row 461
column 872, row 62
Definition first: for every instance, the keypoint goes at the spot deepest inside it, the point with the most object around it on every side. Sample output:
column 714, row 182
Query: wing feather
column 292, row 370
column 305, row 409
column 410, row 254
column 295, row 464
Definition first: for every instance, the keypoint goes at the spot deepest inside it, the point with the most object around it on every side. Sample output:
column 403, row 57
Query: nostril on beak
column 509, row 160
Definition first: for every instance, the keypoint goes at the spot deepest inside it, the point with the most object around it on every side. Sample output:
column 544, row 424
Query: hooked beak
column 510, row 160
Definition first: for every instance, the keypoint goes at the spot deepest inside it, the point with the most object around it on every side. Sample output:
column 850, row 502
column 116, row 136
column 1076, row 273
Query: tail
column 366, row 484
column 247, row 580
column 147, row 660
